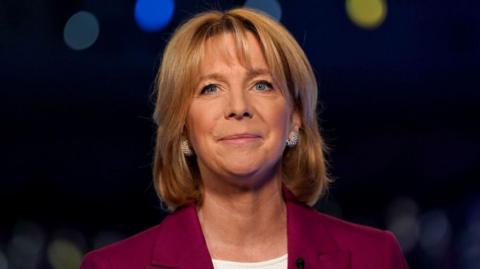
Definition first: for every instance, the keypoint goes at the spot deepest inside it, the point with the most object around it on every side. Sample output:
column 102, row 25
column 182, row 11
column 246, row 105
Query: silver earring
column 185, row 147
column 292, row 140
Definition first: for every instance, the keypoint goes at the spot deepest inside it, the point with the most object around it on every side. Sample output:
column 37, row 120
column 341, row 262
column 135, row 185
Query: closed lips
column 240, row 136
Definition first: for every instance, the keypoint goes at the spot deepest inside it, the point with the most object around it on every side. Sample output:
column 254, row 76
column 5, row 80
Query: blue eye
column 209, row 89
column 263, row 86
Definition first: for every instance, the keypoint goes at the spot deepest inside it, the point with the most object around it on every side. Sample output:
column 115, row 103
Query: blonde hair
column 176, row 176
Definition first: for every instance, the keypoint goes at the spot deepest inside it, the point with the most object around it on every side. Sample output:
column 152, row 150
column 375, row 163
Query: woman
column 239, row 159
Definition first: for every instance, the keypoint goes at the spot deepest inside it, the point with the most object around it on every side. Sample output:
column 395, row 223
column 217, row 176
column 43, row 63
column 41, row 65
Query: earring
column 292, row 140
column 185, row 147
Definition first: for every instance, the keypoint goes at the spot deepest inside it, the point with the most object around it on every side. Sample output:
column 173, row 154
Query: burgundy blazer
column 315, row 240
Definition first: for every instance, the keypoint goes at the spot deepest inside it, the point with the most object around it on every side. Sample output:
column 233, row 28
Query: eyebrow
column 255, row 72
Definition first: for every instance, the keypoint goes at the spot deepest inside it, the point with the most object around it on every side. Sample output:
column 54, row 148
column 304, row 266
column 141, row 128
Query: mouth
column 240, row 138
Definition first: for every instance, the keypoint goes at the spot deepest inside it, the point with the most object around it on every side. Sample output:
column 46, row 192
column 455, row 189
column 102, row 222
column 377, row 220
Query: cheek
column 200, row 122
column 279, row 119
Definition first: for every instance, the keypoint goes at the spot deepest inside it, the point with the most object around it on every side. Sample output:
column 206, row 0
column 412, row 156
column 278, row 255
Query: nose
column 238, row 106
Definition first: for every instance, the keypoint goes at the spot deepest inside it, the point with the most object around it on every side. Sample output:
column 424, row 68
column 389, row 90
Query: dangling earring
column 185, row 147
column 292, row 140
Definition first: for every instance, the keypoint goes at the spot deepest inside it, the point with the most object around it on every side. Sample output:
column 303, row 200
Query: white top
column 276, row 263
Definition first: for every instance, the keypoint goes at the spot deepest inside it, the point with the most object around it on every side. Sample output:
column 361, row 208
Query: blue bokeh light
column 153, row 15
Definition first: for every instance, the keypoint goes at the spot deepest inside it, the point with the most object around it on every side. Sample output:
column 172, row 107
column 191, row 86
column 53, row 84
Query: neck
column 247, row 224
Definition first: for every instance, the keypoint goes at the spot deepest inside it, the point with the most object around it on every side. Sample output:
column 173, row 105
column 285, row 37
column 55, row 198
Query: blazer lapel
column 180, row 243
column 309, row 241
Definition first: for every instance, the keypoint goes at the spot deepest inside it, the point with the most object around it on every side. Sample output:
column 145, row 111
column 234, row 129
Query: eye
column 263, row 86
column 209, row 89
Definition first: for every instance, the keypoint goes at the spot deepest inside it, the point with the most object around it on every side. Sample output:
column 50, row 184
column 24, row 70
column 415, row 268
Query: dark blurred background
column 399, row 97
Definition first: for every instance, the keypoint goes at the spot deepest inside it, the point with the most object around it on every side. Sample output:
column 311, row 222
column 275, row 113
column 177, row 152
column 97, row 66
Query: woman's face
column 238, row 120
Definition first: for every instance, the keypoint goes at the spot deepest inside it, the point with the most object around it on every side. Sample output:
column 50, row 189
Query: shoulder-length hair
column 175, row 176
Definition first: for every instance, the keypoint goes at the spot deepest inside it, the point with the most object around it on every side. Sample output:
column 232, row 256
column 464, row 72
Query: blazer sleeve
column 394, row 258
column 93, row 260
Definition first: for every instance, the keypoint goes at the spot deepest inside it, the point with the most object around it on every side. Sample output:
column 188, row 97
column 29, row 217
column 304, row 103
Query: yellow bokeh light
column 368, row 14
column 63, row 254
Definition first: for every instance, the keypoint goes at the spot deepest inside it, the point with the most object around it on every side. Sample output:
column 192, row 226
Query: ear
column 296, row 121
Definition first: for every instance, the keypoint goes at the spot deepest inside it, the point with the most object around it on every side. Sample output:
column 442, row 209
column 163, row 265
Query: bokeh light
column 3, row 261
column 153, row 15
column 402, row 220
column 368, row 14
column 271, row 7
column 435, row 233
column 470, row 239
column 64, row 254
column 81, row 30
column 25, row 246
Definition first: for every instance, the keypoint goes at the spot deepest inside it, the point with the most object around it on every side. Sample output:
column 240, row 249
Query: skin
column 237, row 125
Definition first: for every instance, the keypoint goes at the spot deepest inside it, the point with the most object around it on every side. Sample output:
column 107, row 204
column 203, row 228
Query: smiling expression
column 238, row 120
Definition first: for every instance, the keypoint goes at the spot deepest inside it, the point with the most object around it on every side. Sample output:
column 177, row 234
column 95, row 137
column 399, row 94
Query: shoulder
column 362, row 241
column 132, row 252
column 138, row 250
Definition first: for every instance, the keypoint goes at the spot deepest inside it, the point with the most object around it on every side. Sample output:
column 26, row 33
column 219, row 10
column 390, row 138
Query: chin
column 242, row 171
column 250, row 171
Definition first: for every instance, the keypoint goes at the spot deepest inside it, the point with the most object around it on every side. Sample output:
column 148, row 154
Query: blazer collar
column 309, row 239
column 180, row 242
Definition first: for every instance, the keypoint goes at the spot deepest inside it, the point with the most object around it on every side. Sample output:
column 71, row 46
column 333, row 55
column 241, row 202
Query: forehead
column 227, row 49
